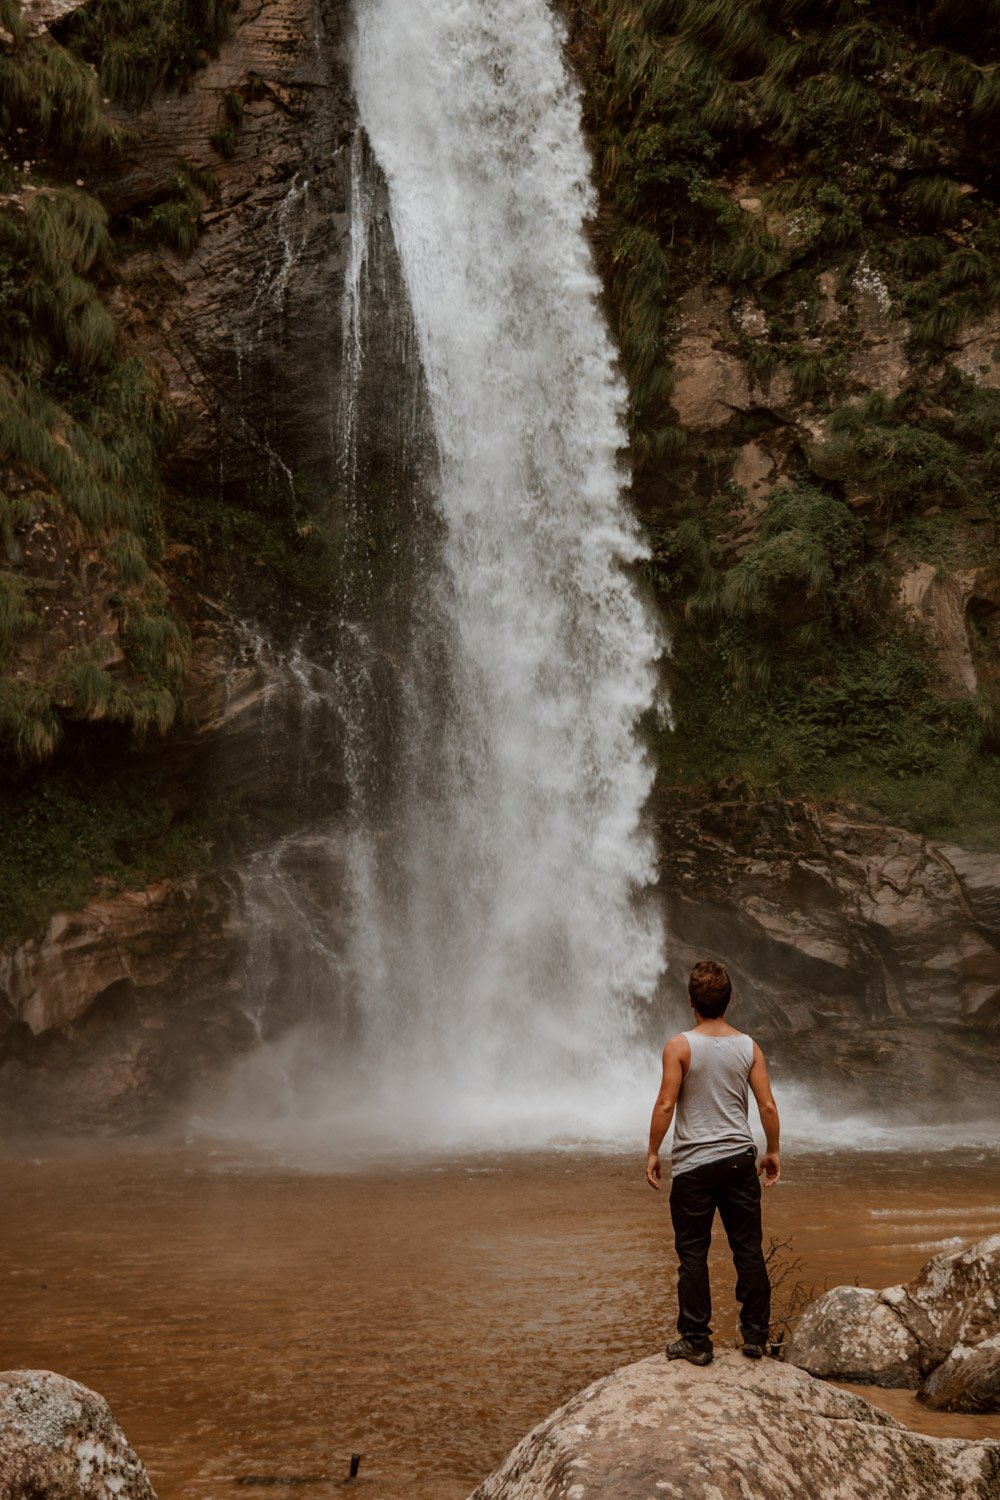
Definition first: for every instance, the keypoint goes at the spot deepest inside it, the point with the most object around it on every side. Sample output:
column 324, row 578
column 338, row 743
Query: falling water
column 499, row 949
column 490, row 677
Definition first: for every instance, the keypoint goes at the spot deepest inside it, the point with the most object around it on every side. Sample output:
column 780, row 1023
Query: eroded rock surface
column 943, row 1325
column 116, row 1010
column 733, row 1430
column 860, row 953
column 850, row 1333
column 967, row 1380
column 59, row 1440
column 247, row 327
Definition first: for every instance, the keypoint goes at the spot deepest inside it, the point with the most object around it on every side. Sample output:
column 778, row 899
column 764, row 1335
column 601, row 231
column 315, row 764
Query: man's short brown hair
column 710, row 988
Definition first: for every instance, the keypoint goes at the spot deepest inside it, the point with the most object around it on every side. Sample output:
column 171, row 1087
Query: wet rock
column 851, row 1334
column 729, row 1431
column 59, row 1440
column 140, row 936
column 109, row 1018
column 247, row 327
column 943, row 1325
column 861, row 954
column 967, row 1380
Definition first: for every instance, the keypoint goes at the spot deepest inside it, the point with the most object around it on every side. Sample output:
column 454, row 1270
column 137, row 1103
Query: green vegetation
column 175, row 219
column 757, row 146
column 49, row 100
column 137, row 45
column 851, row 111
column 83, row 421
column 96, row 813
column 226, row 138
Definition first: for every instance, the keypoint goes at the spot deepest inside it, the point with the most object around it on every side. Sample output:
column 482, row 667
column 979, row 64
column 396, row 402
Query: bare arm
column 676, row 1061
column 770, row 1167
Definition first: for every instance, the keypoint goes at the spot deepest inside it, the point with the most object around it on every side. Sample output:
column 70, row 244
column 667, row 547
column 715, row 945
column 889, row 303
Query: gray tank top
column 710, row 1120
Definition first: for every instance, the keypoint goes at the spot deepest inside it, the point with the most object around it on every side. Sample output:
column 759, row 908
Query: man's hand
column 653, row 1170
column 770, row 1168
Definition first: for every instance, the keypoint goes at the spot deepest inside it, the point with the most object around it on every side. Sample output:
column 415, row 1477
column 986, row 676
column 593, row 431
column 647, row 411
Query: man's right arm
column 676, row 1059
column 770, row 1167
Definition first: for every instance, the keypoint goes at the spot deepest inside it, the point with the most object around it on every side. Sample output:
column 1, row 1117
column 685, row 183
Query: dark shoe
column 754, row 1351
column 682, row 1349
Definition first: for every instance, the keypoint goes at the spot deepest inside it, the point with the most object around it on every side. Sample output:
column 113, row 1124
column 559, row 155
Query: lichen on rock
column 939, row 1332
column 59, row 1440
column 729, row 1431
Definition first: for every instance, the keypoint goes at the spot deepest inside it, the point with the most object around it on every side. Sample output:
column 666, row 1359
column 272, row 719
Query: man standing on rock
column 707, row 1075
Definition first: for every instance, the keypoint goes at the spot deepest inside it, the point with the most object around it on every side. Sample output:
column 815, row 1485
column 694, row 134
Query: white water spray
column 498, row 946
column 500, row 949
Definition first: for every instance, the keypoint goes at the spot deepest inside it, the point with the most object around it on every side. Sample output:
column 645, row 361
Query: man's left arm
column 666, row 1103
column 760, row 1084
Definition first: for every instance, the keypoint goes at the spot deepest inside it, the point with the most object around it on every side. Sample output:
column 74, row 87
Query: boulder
column 942, row 1328
column 59, row 1440
column 139, row 936
column 967, row 1380
column 953, row 1300
column 733, row 1430
column 116, row 1011
column 850, row 1333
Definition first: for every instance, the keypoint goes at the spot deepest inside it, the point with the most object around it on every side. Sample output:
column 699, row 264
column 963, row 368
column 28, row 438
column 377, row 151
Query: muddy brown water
column 252, row 1321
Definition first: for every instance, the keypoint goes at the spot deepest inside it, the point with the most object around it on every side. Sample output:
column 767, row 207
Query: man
column 707, row 1073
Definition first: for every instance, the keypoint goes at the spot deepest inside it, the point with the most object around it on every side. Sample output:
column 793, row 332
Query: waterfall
column 499, row 949
column 494, row 657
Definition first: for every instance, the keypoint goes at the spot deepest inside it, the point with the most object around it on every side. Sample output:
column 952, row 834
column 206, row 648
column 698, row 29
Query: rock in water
column 942, row 1329
column 58, row 1440
column 850, row 1333
column 968, row 1380
column 736, row 1429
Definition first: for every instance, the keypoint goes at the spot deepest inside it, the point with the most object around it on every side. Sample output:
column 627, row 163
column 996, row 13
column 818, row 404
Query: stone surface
column 862, row 955
column 58, row 1440
column 39, row 15
column 733, row 1431
column 247, row 327
column 978, row 352
column 880, row 363
column 967, row 1380
column 941, row 1332
column 710, row 385
column 851, row 1334
column 140, row 936
column 953, row 1299
column 116, row 1011
column 939, row 602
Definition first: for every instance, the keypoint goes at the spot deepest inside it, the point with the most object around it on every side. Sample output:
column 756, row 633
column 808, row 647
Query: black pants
column 733, row 1187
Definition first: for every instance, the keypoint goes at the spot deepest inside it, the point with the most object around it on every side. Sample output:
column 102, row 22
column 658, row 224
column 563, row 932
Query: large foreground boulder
column 732, row 1431
column 940, row 1332
column 59, row 1440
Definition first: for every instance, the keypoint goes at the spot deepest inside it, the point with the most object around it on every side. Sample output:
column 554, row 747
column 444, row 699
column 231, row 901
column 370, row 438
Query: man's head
column 710, row 989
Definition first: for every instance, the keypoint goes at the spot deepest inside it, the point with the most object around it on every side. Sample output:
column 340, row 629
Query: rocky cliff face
column 860, row 952
column 247, row 326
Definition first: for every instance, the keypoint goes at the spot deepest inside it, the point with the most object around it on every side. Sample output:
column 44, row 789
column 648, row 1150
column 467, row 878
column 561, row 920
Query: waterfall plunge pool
column 247, row 1317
